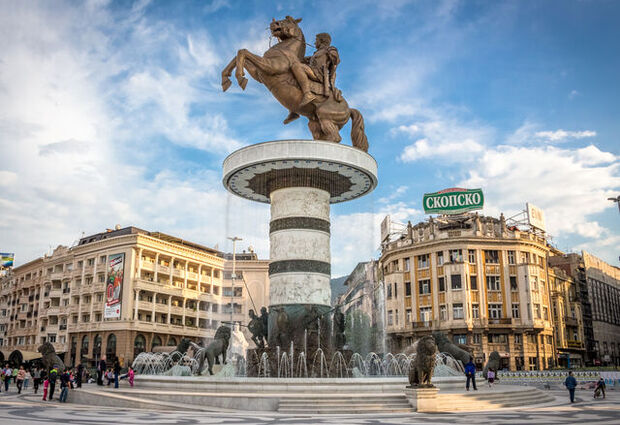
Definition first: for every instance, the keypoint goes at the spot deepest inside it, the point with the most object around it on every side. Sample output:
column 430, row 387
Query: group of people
column 570, row 382
column 66, row 379
column 470, row 374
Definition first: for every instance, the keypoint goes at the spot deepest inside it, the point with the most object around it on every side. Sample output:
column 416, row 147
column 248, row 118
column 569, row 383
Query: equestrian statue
column 303, row 85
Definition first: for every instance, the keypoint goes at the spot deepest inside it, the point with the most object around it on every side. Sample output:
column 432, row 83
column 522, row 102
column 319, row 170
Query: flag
column 6, row 259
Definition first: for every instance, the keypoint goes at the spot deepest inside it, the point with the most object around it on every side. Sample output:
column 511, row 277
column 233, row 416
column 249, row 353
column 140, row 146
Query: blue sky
column 112, row 112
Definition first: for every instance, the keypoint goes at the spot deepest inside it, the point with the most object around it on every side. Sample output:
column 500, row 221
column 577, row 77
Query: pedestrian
column 46, row 385
column 600, row 388
column 571, row 383
column 52, row 380
column 470, row 373
column 8, row 373
column 117, row 372
column 36, row 379
column 65, row 380
column 27, row 379
column 19, row 379
column 490, row 376
column 78, row 375
column 15, row 370
column 101, row 367
column 131, row 374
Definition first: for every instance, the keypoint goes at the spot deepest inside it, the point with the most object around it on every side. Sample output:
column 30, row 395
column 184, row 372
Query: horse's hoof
column 226, row 84
column 243, row 82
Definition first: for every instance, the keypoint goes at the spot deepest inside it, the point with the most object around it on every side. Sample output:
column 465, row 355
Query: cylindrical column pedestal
column 299, row 272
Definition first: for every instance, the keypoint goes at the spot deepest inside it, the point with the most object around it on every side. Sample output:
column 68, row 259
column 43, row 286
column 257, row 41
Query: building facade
column 599, row 289
column 482, row 283
column 116, row 294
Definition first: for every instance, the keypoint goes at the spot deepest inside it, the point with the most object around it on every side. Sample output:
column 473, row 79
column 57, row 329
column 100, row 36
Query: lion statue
column 218, row 347
column 444, row 345
column 50, row 359
column 492, row 363
column 422, row 367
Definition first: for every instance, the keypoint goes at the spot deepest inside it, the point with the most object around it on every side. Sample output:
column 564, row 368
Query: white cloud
column 455, row 151
column 563, row 135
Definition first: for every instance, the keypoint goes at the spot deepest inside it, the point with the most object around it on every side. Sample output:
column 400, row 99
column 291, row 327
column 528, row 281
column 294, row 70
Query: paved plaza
column 26, row 409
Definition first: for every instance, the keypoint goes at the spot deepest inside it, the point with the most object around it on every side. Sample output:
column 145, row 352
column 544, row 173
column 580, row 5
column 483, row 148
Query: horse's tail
column 358, row 136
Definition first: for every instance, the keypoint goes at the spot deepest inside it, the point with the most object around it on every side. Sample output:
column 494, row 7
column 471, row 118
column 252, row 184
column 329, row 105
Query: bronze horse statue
column 326, row 114
column 214, row 350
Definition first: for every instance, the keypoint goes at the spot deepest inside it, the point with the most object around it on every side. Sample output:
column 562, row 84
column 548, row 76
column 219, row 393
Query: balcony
column 145, row 305
column 55, row 293
column 147, row 265
column 192, row 276
column 62, row 327
column 571, row 321
column 576, row 344
column 179, row 272
column 500, row 321
column 163, row 269
column 423, row 324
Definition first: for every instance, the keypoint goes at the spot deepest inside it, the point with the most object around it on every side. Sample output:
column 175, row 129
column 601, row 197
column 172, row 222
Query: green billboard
column 453, row 201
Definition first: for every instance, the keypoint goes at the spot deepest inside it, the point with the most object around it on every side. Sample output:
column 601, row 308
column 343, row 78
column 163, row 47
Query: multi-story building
column 117, row 293
column 479, row 281
column 567, row 319
column 599, row 291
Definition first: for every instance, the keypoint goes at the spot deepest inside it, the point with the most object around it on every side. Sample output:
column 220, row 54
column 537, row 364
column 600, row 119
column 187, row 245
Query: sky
column 111, row 112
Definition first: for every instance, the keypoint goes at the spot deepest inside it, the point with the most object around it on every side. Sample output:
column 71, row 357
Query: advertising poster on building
column 114, row 287
column 453, row 201
column 535, row 216
column 6, row 260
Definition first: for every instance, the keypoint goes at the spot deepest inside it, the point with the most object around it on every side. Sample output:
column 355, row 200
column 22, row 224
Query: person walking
column 52, row 380
column 117, row 372
column 15, row 370
column 131, row 375
column 46, row 385
column 470, row 373
column 65, row 379
column 571, row 383
column 600, row 388
column 78, row 375
column 19, row 379
column 27, row 379
column 101, row 368
column 7, row 374
column 490, row 377
column 36, row 379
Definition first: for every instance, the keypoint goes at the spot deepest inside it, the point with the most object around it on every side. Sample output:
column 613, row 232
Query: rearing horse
column 326, row 115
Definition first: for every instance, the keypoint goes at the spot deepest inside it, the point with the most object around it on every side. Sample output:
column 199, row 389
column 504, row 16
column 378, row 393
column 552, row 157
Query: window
column 477, row 339
column 408, row 315
column 457, row 311
column 460, row 339
column 425, row 286
column 396, row 317
column 549, row 340
column 518, row 339
column 101, row 278
column 442, row 284
column 534, row 283
column 515, row 310
column 390, row 318
column 511, row 258
column 473, row 282
column 495, row 311
column 492, row 283
column 407, row 264
column 423, row 261
column 443, row 312
column 513, row 283
column 425, row 314
column 545, row 313
column 498, row 338
column 51, row 338
column 456, row 256
column 471, row 254
column 389, row 291
column 407, row 289
column 475, row 311
column 102, row 259
column 537, row 311
column 525, row 257
column 491, row 256
column 455, row 281
column 90, row 261
column 440, row 258
column 395, row 290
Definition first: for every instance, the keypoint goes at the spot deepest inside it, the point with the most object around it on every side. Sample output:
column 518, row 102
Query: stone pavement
column 26, row 409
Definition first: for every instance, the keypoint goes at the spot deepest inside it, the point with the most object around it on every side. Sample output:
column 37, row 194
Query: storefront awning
column 30, row 355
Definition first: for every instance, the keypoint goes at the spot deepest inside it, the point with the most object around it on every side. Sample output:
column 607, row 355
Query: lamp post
column 234, row 240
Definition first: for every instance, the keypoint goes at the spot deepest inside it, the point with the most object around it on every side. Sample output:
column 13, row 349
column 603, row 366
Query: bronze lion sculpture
column 50, row 359
column 218, row 347
column 444, row 345
column 422, row 367
column 492, row 363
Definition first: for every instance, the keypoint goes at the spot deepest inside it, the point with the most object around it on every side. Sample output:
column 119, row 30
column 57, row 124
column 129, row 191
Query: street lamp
column 234, row 240
column 616, row 200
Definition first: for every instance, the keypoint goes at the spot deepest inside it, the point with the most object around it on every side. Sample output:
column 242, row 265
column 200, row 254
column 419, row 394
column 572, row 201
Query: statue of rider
column 320, row 67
